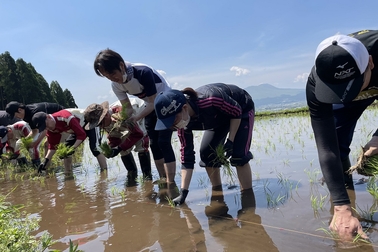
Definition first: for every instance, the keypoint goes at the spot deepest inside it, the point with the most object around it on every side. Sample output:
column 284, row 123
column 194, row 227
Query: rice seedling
column 74, row 248
column 366, row 213
column 9, row 155
column 367, row 166
column 317, row 203
column 63, row 151
column 170, row 202
column 329, row 233
column 123, row 195
column 312, row 175
column 272, row 201
column 372, row 187
column 106, row 149
column 26, row 142
column 220, row 158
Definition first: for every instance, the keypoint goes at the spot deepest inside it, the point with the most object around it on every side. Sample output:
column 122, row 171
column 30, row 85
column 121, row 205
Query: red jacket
column 65, row 122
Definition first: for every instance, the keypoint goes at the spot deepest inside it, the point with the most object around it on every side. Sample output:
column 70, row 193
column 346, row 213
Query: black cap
column 3, row 134
column 12, row 108
column 340, row 65
column 39, row 120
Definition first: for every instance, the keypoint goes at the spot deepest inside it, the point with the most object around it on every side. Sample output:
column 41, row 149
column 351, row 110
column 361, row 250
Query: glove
column 181, row 198
column 42, row 166
column 115, row 152
column 228, row 148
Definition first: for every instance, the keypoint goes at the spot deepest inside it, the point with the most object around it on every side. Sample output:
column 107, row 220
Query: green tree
column 9, row 85
column 29, row 83
column 70, row 101
column 57, row 93
column 44, row 88
column 19, row 81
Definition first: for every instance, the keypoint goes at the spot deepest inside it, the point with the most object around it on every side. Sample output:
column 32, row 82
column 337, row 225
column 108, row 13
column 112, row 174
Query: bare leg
column 159, row 163
column 170, row 171
column 186, row 177
column 214, row 176
column 245, row 176
column 102, row 162
column 68, row 165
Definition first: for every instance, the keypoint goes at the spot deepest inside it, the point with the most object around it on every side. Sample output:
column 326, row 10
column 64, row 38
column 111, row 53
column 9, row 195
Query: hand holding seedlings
column 371, row 148
column 228, row 148
column 345, row 224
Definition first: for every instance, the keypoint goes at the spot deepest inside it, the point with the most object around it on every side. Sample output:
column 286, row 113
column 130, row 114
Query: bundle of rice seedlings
column 366, row 166
column 122, row 113
column 63, row 151
column 25, row 145
column 221, row 158
column 106, row 149
column 26, row 142
column 7, row 155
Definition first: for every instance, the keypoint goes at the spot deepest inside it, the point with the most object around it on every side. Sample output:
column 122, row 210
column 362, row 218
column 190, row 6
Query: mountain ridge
column 269, row 97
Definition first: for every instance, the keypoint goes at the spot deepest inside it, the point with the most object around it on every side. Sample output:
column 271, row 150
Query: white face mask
column 182, row 123
column 124, row 77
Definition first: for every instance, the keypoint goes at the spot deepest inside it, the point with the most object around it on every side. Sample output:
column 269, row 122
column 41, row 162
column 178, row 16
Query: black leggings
column 160, row 141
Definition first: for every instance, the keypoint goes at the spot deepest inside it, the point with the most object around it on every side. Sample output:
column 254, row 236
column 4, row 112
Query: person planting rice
column 25, row 112
column 341, row 85
column 123, row 136
column 11, row 136
column 221, row 110
column 58, row 125
column 143, row 82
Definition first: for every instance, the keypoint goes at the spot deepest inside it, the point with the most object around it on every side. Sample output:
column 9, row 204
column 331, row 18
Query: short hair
column 107, row 61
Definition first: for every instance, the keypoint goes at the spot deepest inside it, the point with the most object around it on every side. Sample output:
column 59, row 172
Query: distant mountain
column 268, row 97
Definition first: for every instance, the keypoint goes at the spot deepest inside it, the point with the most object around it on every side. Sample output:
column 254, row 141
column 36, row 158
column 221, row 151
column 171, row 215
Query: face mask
column 182, row 124
column 124, row 77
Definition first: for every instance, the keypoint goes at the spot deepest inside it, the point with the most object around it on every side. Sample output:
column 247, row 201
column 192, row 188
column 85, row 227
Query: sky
column 192, row 43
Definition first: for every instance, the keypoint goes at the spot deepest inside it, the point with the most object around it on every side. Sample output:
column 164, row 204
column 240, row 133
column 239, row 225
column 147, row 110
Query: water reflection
column 142, row 224
column 72, row 212
column 245, row 232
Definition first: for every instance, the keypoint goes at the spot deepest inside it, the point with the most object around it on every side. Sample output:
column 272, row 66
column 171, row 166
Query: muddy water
column 98, row 212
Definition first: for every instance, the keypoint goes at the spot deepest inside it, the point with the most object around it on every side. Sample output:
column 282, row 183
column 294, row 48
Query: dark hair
column 107, row 61
column 192, row 95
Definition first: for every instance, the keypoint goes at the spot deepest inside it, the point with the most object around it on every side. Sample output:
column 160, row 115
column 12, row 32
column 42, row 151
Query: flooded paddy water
column 288, row 209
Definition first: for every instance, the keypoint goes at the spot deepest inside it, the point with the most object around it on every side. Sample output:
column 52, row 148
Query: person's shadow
column 245, row 232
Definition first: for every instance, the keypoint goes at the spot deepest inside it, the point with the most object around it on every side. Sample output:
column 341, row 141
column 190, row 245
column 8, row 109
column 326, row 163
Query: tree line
column 19, row 81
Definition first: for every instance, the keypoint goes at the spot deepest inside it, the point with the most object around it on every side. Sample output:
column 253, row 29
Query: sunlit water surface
column 98, row 212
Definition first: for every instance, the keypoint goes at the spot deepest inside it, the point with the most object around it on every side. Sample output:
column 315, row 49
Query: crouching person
column 58, row 125
column 123, row 137
column 11, row 139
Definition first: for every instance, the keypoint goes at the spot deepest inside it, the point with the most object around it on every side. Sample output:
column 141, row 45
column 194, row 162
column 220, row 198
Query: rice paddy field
column 288, row 209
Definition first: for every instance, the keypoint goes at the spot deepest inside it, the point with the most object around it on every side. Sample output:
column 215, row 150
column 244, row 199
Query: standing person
column 220, row 110
column 26, row 112
column 69, row 121
column 11, row 139
column 145, row 83
column 122, row 138
column 341, row 85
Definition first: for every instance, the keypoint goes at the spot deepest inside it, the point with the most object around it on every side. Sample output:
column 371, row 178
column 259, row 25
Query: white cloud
column 301, row 78
column 162, row 72
column 239, row 71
